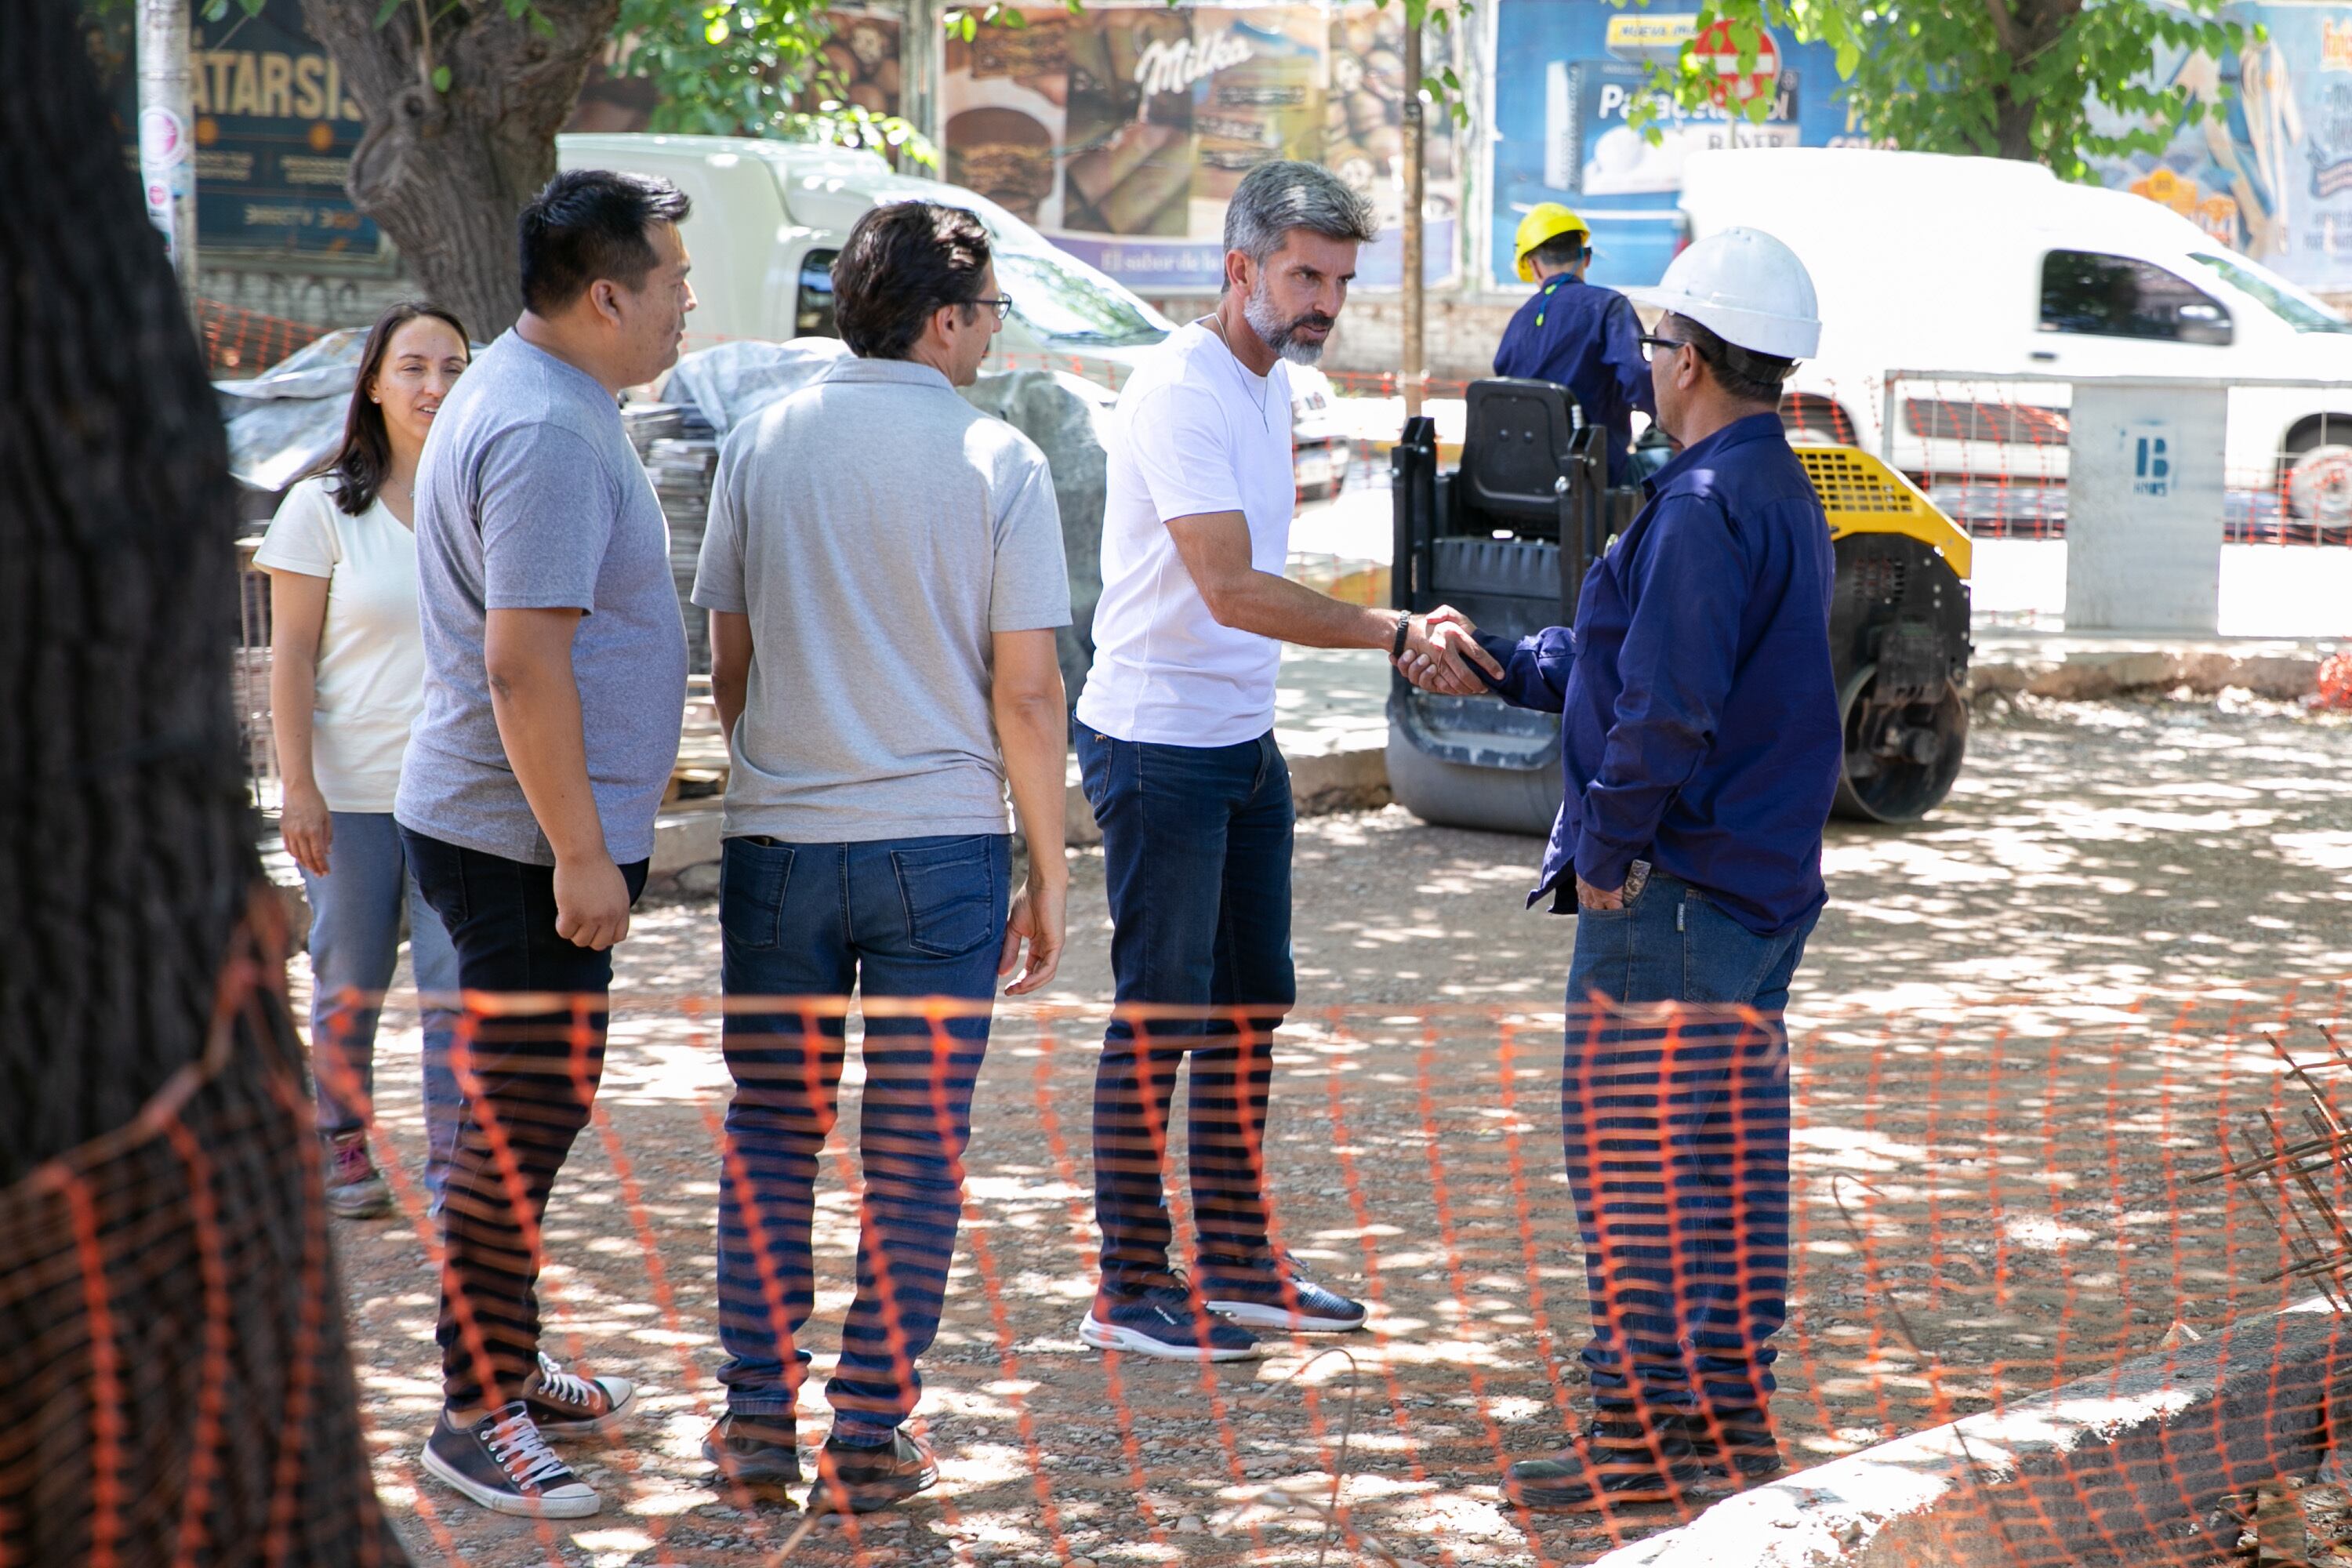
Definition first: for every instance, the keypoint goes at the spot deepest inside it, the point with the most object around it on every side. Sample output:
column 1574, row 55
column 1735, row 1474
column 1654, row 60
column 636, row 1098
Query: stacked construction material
column 680, row 454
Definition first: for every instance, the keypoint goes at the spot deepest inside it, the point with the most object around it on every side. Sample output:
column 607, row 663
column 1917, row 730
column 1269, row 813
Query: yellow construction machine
column 1507, row 537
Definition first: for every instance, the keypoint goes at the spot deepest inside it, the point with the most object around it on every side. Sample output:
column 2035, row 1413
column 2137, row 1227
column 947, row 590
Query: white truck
column 770, row 217
column 2002, row 281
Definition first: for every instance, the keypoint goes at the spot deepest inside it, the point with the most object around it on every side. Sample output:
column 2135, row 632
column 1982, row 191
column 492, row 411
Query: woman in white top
column 347, row 673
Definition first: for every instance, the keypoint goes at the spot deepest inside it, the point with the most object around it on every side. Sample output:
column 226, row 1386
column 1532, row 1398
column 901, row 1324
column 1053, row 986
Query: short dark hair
column 1746, row 375
column 360, row 464
column 590, row 224
column 1561, row 251
column 903, row 262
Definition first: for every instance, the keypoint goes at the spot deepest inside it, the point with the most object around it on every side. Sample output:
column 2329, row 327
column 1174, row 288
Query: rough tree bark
column 171, row 1327
column 2025, row 28
column 444, row 174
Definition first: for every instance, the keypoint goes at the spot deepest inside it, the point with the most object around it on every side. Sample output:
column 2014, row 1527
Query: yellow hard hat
column 1546, row 221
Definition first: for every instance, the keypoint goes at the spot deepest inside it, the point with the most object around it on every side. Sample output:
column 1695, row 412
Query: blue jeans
column 898, row 918
column 1196, row 858
column 1678, row 1139
column 355, row 914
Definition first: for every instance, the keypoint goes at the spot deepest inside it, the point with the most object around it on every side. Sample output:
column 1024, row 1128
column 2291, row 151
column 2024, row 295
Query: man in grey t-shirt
column 555, row 680
column 884, row 571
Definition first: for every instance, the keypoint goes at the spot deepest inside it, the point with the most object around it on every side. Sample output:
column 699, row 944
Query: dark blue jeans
column 1676, row 1128
column 534, row 1076
column 900, row 917
column 1196, row 858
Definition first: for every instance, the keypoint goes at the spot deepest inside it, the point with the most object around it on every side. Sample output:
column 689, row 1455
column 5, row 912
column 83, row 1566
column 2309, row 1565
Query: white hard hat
column 1745, row 287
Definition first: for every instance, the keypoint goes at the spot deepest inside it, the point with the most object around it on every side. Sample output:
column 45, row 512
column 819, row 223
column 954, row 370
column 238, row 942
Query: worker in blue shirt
column 1700, row 745
column 1581, row 335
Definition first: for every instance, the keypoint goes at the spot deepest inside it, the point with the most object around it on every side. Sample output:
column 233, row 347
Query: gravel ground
column 2018, row 1029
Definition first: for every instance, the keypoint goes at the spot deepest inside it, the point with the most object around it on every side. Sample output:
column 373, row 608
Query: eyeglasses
column 1651, row 343
column 1001, row 304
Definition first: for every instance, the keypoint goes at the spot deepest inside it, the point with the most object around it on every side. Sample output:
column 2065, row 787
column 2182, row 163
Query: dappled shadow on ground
column 2020, row 1035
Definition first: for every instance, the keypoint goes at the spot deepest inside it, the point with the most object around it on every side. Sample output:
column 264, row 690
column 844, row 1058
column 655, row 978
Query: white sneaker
column 503, row 1463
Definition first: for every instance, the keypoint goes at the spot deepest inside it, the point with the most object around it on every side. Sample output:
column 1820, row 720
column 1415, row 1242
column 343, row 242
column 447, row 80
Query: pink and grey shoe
column 355, row 1188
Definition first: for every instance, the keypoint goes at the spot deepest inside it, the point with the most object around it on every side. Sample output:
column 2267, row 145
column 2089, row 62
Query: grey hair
column 1276, row 197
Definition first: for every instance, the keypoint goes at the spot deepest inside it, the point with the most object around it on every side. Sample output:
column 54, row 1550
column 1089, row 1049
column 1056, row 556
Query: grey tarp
column 287, row 420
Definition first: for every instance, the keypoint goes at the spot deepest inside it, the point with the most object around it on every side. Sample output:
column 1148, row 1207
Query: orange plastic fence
column 1985, row 1205
column 1993, row 454
column 238, row 342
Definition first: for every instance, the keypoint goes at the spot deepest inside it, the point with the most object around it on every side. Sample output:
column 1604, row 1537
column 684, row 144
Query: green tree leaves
column 748, row 68
column 2012, row 78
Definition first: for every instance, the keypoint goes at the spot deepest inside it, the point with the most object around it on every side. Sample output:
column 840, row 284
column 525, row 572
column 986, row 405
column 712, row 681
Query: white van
column 770, row 217
column 1991, row 268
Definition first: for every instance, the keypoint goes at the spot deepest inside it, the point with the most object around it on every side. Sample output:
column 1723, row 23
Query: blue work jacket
column 1587, row 339
column 1698, row 716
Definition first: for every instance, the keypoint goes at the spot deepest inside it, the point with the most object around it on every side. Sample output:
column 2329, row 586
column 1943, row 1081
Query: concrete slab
column 2083, row 667
column 2099, row 1471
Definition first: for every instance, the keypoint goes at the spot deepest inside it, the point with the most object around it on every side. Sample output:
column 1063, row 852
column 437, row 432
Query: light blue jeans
column 355, row 945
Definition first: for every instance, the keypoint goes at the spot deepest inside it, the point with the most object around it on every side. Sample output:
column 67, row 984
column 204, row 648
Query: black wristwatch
column 1403, row 629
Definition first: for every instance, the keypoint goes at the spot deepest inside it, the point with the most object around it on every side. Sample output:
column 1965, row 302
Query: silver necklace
column 1265, row 389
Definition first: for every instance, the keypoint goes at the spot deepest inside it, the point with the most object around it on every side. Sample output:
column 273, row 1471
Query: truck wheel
column 2319, row 484
column 1455, row 794
column 1900, row 757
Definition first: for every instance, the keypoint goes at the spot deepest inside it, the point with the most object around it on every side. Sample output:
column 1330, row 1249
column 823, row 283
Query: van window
column 1059, row 302
column 2120, row 297
column 2284, row 299
column 812, row 311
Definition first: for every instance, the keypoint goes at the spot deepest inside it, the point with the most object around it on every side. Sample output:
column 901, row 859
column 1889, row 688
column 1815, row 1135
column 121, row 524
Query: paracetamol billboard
column 1567, row 74
column 2273, row 176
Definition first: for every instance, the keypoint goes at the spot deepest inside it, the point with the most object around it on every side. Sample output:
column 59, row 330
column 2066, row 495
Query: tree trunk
column 171, row 1326
column 2025, row 29
column 2012, row 127
column 446, row 173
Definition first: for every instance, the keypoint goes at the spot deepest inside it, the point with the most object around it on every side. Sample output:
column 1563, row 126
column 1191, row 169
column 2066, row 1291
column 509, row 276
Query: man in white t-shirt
column 1175, row 738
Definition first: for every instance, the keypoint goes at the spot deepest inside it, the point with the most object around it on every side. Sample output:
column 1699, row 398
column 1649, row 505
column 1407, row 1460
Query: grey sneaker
column 757, row 1453
column 862, row 1480
column 503, row 1463
column 355, row 1188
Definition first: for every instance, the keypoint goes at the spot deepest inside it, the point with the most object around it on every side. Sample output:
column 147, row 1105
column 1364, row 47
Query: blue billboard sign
column 1568, row 76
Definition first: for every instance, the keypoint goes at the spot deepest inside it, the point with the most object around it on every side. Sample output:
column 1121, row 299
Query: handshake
column 1442, row 655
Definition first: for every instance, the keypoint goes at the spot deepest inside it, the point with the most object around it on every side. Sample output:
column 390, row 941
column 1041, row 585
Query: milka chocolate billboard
column 1122, row 132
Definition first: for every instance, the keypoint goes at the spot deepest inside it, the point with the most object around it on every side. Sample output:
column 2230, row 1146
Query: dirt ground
column 2018, row 1031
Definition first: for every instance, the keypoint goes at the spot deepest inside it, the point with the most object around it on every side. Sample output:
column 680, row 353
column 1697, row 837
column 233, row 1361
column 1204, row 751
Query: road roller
column 1506, row 537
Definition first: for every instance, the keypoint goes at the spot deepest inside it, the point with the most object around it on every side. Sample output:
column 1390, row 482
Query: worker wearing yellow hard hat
column 1545, row 222
column 1578, row 334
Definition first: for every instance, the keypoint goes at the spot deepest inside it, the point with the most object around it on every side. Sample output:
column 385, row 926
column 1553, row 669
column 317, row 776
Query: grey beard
column 1275, row 332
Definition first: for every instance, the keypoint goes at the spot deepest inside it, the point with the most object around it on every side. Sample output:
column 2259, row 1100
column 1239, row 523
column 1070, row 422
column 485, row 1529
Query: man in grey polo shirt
column 555, row 679
column 884, row 573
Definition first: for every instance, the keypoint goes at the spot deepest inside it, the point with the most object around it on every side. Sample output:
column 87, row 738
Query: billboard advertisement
column 2273, row 176
column 1568, row 73
column 275, row 128
column 1121, row 132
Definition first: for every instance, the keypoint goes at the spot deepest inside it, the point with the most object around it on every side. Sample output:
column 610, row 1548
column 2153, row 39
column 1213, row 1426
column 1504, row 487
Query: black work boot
column 1617, row 1461
column 1737, row 1444
column 861, row 1480
column 756, row 1453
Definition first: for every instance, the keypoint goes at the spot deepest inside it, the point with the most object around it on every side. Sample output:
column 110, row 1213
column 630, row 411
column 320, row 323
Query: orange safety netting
column 1985, row 1205
column 238, row 342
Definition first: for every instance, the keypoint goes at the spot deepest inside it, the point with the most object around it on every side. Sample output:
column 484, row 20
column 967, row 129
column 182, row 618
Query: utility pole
column 1413, row 193
column 919, row 42
column 167, row 133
